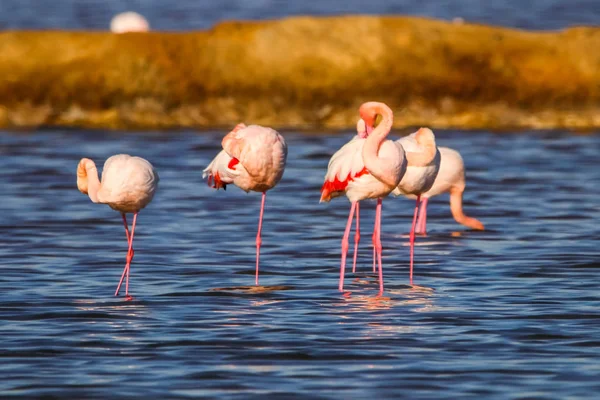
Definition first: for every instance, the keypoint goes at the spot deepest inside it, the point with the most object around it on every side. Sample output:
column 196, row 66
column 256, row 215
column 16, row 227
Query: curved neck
column 87, row 179
column 370, row 153
column 457, row 211
column 426, row 141
column 420, row 159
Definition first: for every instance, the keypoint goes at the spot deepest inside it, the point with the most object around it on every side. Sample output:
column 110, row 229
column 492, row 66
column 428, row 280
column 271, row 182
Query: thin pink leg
column 422, row 219
column 412, row 238
column 356, row 236
column 258, row 238
column 129, row 254
column 127, row 232
column 378, row 245
column 374, row 237
column 376, row 233
column 129, row 258
column 345, row 245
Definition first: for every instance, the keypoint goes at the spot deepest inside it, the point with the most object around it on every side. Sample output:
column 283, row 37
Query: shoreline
column 431, row 72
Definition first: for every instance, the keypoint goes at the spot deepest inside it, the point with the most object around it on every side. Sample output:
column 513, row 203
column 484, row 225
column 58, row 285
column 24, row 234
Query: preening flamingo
column 366, row 168
column 128, row 185
column 423, row 167
column 450, row 178
column 129, row 22
column 253, row 158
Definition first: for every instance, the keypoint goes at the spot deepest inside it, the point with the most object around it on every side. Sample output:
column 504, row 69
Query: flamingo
column 129, row 22
column 253, row 158
column 450, row 178
column 420, row 174
column 367, row 167
column 128, row 185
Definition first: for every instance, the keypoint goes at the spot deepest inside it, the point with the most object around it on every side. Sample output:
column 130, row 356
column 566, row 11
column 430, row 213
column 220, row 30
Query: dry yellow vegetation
column 304, row 73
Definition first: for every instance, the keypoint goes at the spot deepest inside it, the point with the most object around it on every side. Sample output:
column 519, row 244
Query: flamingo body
column 450, row 178
column 451, row 173
column 367, row 167
column 128, row 185
column 417, row 179
column 129, row 22
column 423, row 166
column 347, row 174
column 253, row 158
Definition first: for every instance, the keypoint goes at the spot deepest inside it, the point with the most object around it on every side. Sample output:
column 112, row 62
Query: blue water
column 201, row 14
column 512, row 312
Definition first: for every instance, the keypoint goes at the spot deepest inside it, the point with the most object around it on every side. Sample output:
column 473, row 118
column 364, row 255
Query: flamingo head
column 368, row 114
column 370, row 110
column 82, row 174
column 425, row 137
column 361, row 129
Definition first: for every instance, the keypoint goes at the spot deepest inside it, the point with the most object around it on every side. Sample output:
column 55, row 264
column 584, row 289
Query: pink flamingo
column 420, row 175
column 253, row 158
column 450, row 178
column 129, row 22
column 367, row 167
column 128, row 185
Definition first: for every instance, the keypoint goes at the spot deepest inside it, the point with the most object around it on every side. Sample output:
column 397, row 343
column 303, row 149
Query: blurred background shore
column 208, row 66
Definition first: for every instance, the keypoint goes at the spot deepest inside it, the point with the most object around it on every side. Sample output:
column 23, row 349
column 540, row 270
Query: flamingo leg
column 421, row 228
column 345, row 245
column 374, row 238
column 412, row 238
column 129, row 254
column 378, row 243
column 127, row 232
column 258, row 234
column 356, row 236
column 129, row 258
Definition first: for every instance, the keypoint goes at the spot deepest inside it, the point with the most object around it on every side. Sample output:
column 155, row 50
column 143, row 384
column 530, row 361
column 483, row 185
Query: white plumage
column 253, row 158
column 128, row 183
column 129, row 22
column 346, row 165
column 417, row 179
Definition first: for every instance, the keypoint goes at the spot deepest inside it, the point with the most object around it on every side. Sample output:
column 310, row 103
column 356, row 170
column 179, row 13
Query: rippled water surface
column 201, row 14
column 512, row 312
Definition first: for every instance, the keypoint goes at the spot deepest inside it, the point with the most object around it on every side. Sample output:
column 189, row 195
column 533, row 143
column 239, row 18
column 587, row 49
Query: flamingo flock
column 253, row 158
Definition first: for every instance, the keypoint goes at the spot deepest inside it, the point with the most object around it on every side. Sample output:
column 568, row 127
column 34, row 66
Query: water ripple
column 511, row 312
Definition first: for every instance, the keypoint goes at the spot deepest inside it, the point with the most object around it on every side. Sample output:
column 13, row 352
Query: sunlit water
column 202, row 14
column 512, row 312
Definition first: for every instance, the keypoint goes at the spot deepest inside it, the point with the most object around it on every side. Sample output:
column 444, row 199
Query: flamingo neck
column 426, row 140
column 371, row 159
column 87, row 179
column 458, row 214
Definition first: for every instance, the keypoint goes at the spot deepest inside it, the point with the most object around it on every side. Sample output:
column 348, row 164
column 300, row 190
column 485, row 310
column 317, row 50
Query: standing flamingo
column 253, row 158
column 450, row 178
column 420, row 174
column 128, row 185
column 129, row 22
column 366, row 168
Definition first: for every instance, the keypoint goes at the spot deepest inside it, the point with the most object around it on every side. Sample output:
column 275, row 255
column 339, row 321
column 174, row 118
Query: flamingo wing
column 222, row 170
column 344, row 166
column 260, row 150
column 123, row 174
